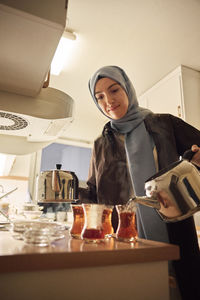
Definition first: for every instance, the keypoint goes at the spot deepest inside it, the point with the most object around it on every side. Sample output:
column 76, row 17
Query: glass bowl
column 31, row 214
column 19, row 227
column 41, row 237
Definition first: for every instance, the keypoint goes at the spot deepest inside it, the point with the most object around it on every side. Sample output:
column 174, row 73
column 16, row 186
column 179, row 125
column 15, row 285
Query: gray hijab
column 139, row 148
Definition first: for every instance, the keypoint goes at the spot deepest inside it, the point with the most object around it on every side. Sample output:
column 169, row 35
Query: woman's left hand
column 196, row 158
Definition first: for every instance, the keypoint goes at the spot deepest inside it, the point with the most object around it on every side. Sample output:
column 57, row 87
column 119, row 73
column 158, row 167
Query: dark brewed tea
column 127, row 228
column 78, row 221
column 93, row 233
column 93, row 230
column 106, row 222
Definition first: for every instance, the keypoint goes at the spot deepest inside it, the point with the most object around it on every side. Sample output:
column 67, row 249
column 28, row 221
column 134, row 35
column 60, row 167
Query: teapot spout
column 147, row 201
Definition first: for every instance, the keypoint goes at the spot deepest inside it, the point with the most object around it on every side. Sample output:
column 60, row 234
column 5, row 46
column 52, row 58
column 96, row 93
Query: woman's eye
column 115, row 90
column 99, row 97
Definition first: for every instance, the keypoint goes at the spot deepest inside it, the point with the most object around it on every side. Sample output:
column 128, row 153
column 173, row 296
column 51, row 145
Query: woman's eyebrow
column 97, row 92
column 108, row 88
column 113, row 85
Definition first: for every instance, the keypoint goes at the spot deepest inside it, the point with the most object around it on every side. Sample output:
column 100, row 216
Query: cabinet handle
column 179, row 111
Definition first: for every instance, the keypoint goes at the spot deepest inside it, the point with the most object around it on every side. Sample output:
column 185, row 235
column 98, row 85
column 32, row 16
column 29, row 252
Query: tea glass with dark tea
column 126, row 230
column 107, row 221
column 78, row 220
column 93, row 228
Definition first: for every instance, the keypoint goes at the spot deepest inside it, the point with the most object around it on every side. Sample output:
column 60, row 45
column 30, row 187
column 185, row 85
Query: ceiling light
column 63, row 52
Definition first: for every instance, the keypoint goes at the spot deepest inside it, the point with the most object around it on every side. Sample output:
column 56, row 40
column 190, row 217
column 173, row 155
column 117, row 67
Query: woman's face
column 111, row 98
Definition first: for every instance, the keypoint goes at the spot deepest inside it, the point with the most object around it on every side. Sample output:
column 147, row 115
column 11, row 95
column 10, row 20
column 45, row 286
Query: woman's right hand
column 196, row 158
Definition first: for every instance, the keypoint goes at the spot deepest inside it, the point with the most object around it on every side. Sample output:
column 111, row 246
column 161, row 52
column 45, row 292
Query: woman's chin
column 114, row 117
column 117, row 116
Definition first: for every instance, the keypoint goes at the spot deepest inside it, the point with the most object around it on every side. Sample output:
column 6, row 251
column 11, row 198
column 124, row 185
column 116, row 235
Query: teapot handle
column 188, row 155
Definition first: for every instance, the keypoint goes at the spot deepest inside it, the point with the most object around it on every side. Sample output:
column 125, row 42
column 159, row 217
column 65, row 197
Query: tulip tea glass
column 78, row 220
column 93, row 228
column 126, row 230
column 107, row 221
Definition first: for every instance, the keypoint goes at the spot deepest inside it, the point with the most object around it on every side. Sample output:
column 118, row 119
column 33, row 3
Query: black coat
column 109, row 182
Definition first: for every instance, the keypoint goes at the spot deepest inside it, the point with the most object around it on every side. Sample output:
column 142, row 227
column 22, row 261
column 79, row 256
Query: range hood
column 31, row 117
column 28, row 124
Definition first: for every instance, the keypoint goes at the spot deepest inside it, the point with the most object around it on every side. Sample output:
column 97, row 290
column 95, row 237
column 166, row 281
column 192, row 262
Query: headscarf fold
column 139, row 149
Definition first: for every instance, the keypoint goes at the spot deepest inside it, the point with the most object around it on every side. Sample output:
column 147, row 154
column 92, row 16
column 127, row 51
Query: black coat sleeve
column 185, row 134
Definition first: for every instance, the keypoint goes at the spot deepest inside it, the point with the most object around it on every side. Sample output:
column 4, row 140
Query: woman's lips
column 112, row 108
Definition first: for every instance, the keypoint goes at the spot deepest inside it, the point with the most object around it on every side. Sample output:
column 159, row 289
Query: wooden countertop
column 16, row 256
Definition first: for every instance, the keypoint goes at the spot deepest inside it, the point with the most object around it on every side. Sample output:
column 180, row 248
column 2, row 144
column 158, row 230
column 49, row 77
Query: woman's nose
column 109, row 99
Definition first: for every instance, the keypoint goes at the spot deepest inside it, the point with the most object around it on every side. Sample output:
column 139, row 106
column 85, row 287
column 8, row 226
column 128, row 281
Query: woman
column 152, row 142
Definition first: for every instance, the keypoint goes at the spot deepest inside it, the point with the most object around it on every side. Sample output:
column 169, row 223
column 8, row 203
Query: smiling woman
column 151, row 141
column 111, row 98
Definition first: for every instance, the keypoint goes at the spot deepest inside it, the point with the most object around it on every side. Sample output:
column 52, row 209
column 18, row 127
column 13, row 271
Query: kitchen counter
column 69, row 265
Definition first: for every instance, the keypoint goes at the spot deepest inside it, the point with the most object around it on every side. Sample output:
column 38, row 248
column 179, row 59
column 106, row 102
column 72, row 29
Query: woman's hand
column 196, row 158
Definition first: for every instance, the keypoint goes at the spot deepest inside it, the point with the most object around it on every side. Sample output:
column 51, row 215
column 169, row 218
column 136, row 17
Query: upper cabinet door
column 167, row 98
column 178, row 94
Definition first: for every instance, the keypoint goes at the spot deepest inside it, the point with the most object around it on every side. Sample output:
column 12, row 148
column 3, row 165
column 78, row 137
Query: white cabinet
column 29, row 35
column 178, row 94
